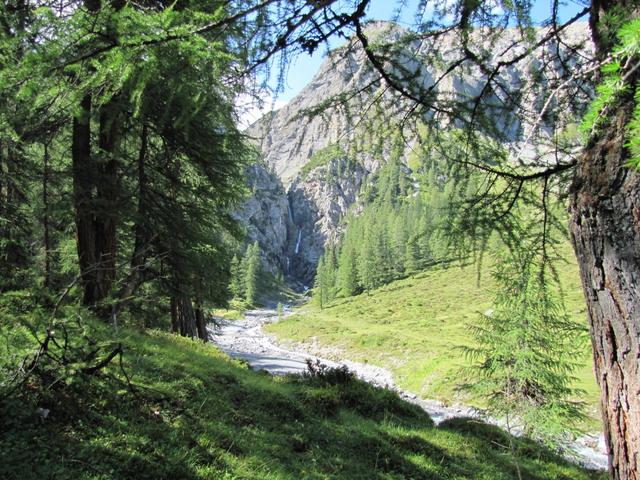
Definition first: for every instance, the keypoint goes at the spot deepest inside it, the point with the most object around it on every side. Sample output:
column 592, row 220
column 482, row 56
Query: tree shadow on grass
column 201, row 416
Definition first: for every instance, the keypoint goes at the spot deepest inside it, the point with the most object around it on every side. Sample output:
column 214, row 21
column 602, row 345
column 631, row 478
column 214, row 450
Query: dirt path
column 246, row 340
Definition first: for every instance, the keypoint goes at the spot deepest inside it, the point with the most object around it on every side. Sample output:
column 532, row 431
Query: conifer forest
column 319, row 239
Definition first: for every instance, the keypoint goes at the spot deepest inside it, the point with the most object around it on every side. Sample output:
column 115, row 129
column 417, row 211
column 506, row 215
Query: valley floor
column 245, row 339
column 416, row 327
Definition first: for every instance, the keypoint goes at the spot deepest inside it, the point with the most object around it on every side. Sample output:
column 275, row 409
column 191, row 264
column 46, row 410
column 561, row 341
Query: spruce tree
column 347, row 274
column 252, row 273
column 321, row 285
column 526, row 346
column 237, row 279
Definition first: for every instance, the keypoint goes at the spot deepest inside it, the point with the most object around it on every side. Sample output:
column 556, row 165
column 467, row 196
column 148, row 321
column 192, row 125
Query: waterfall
column 290, row 212
column 287, row 266
column 298, row 241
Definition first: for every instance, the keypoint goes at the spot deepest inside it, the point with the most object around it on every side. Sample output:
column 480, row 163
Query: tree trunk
column 84, row 174
column 605, row 227
column 95, row 185
column 605, row 230
column 201, row 324
column 183, row 318
column 106, row 186
column 94, row 190
column 45, row 217
column 137, row 274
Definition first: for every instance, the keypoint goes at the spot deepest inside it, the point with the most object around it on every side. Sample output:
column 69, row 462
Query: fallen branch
column 103, row 363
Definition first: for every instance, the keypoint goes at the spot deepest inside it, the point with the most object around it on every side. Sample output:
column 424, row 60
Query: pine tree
column 237, row 279
column 321, row 285
column 412, row 257
column 347, row 274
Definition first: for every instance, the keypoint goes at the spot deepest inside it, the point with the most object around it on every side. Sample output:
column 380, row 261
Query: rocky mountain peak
column 308, row 177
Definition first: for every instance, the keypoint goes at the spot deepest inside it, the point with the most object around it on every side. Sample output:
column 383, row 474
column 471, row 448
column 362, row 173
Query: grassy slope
column 200, row 415
column 415, row 326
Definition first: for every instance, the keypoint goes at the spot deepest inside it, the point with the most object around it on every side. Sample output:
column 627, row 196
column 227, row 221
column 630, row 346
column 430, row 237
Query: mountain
column 319, row 150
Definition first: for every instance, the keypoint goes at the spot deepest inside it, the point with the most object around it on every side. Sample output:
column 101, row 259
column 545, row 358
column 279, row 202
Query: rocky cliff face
column 303, row 185
column 317, row 204
column 265, row 215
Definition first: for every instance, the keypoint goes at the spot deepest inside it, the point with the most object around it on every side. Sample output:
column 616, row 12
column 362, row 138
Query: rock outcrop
column 300, row 196
column 265, row 216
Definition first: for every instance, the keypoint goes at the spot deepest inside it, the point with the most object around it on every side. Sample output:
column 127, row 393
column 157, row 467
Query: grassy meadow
column 196, row 414
column 416, row 326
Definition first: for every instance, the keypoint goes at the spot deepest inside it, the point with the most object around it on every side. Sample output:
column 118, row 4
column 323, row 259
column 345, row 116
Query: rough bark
column 107, row 196
column 95, row 176
column 183, row 318
column 83, row 183
column 94, row 190
column 201, row 324
column 605, row 228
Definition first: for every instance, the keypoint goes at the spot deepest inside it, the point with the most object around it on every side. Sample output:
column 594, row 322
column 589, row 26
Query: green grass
column 414, row 327
column 199, row 415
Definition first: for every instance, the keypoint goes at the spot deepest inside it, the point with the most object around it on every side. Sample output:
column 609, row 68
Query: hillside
column 196, row 414
column 416, row 326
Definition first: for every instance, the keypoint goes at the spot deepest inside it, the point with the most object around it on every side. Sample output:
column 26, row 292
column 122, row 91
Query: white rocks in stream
column 245, row 339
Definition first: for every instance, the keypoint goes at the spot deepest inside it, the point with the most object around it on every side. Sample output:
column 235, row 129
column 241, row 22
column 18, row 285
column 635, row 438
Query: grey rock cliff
column 265, row 216
column 295, row 210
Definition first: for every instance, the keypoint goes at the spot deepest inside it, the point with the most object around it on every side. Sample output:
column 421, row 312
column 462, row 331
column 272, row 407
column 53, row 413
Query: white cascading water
column 298, row 241
column 290, row 213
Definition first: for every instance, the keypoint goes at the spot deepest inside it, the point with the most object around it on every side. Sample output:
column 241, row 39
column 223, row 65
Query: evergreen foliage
column 614, row 87
column 252, row 270
column 248, row 278
column 526, row 351
column 118, row 133
column 395, row 230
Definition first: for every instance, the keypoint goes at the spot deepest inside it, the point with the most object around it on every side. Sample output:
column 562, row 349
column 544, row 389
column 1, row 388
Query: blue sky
column 302, row 68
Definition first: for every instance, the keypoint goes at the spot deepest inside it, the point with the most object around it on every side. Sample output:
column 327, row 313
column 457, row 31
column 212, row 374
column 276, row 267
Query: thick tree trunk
column 605, row 227
column 201, row 324
column 94, row 190
column 84, row 175
column 107, row 196
column 95, row 178
column 183, row 317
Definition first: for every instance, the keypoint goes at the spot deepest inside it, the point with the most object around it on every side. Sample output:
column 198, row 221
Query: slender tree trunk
column 3, row 205
column 141, row 243
column 17, row 228
column 45, row 217
column 2, row 183
column 605, row 228
column 175, row 324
